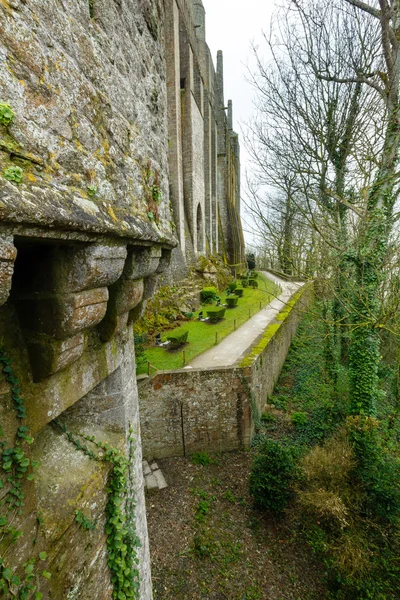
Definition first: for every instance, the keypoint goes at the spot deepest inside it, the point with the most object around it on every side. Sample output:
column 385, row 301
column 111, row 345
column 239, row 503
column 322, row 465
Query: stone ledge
column 50, row 207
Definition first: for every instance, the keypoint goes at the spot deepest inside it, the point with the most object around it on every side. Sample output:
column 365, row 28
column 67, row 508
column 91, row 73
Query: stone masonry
column 196, row 409
column 204, row 150
column 119, row 153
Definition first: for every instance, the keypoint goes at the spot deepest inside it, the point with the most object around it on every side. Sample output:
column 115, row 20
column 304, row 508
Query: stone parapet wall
column 190, row 410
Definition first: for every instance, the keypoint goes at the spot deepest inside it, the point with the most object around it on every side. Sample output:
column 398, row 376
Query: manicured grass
column 202, row 334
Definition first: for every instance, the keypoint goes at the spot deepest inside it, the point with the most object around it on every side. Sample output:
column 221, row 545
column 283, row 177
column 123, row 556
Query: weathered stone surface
column 88, row 268
column 65, row 315
column 90, row 102
column 8, row 254
column 47, row 356
column 142, row 262
column 126, row 294
column 161, row 483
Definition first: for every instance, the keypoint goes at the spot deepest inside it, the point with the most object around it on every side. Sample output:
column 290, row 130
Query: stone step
column 154, row 480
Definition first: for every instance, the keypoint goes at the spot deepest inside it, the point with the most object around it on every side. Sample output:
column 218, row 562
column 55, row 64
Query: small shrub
column 254, row 274
column 177, row 339
column 299, row 418
column 232, row 301
column 232, row 286
column 13, row 174
column 208, row 294
column 215, row 313
column 245, row 283
column 201, row 458
column 140, row 353
column 253, row 283
column 239, row 292
column 273, row 473
column 6, row 114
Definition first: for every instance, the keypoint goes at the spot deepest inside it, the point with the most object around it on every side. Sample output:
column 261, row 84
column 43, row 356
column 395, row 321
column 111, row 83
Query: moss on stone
column 273, row 327
column 268, row 334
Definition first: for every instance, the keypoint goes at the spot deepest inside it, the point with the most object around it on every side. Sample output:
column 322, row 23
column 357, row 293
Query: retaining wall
column 187, row 411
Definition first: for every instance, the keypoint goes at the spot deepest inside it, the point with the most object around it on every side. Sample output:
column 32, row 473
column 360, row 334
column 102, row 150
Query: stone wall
column 83, row 238
column 190, row 410
column 204, row 150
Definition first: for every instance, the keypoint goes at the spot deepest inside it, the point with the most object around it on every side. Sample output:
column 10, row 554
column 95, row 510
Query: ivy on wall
column 16, row 468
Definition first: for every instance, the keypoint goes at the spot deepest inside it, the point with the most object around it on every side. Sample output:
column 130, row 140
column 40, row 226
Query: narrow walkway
column 235, row 345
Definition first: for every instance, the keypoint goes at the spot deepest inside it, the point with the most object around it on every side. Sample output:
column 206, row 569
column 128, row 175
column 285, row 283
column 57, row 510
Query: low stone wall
column 187, row 411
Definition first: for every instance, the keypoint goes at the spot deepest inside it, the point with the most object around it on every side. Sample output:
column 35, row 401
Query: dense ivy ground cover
column 345, row 508
column 202, row 334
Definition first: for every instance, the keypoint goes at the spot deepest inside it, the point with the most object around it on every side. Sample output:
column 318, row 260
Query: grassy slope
column 202, row 334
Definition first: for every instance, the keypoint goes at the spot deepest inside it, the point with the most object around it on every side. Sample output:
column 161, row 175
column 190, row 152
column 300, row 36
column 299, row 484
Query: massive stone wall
column 190, row 410
column 85, row 230
column 204, row 150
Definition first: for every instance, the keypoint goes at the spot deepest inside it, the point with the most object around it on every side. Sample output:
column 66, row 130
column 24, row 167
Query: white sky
column 231, row 26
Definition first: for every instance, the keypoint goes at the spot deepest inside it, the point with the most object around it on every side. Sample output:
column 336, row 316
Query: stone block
column 125, row 295
column 142, row 262
column 8, row 254
column 160, row 479
column 64, row 315
column 165, row 260
column 90, row 267
column 47, row 355
column 146, row 468
column 151, row 482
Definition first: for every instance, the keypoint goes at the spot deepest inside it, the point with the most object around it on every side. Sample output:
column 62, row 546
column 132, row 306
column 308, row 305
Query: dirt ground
column 208, row 542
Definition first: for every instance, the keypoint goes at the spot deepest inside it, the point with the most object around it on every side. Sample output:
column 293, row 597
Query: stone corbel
column 137, row 283
column 8, row 254
column 67, row 296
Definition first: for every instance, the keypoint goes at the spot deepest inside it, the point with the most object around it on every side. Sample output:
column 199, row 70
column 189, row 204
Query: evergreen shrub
column 273, row 472
column 208, row 294
column 177, row 339
column 232, row 301
column 215, row 313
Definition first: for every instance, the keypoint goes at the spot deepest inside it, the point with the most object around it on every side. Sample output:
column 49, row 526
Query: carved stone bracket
column 61, row 292
column 63, row 295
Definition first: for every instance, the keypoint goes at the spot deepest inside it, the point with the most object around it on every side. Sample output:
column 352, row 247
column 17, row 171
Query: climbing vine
column 122, row 541
column 16, row 468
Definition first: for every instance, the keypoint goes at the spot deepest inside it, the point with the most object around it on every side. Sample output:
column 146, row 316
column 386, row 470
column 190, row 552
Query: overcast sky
column 231, row 26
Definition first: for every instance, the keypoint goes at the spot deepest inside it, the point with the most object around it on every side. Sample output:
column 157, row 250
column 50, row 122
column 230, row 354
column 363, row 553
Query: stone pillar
column 230, row 116
column 174, row 107
column 199, row 15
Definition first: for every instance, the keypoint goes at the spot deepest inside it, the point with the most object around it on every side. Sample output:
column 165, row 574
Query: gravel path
column 236, row 345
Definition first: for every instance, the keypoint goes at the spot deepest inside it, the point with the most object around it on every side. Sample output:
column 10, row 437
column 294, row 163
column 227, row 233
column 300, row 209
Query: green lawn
column 202, row 334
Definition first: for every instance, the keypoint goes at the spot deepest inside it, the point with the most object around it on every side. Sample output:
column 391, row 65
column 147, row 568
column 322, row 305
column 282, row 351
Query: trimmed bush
column 253, row 283
column 239, row 292
column 232, row 286
column 272, row 475
column 232, row 301
column 245, row 283
column 208, row 293
column 177, row 339
column 254, row 274
column 215, row 313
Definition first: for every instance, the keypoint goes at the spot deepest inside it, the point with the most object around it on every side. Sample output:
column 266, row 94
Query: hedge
column 215, row 313
column 177, row 339
column 232, row 301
